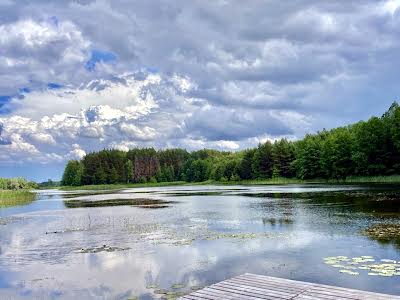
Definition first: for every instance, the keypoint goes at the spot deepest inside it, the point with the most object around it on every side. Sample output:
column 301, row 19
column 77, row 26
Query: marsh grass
column 349, row 180
column 279, row 180
column 15, row 198
column 374, row 179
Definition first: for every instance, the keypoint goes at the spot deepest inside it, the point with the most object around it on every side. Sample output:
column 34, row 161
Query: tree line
column 16, row 184
column 366, row 148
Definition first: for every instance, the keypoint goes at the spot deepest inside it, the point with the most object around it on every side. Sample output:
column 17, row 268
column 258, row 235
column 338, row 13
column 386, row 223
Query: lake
column 145, row 242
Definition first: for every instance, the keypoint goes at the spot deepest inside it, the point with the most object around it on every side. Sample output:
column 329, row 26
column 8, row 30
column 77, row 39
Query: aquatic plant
column 177, row 286
column 383, row 231
column 143, row 202
column 152, row 286
column 104, row 248
column 15, row 198
column 385, row 267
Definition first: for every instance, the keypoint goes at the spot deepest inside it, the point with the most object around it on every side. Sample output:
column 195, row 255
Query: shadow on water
column 373, row 202
column 281, row 222
column 141, row 202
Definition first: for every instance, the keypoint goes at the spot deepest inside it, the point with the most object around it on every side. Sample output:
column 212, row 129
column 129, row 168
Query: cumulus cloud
column 220, row 74
column 33, row 52
column 152, row 111
column 76, row 152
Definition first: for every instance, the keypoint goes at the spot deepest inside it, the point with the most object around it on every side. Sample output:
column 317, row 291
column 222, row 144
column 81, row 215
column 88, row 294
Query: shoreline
column 394, row 179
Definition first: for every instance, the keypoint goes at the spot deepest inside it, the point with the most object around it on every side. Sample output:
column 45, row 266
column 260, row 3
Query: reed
column 10, row 198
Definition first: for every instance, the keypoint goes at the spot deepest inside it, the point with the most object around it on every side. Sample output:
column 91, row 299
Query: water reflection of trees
column 277, row 221
column 376, row 202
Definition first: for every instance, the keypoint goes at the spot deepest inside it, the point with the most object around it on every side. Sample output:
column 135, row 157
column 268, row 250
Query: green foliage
column 245, row 165
column 367, row 148
column 15, row 198
column 73, row 173
column 128, row 171
column 197, row 170
column 336, row 159
column 262, row 164
column 235, row 177
column 308, row 157
column 16, row 184
column 283, row 156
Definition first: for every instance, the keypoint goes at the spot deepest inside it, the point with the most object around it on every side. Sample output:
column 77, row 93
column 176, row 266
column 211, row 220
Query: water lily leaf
column 177, row 286
column 152, row 286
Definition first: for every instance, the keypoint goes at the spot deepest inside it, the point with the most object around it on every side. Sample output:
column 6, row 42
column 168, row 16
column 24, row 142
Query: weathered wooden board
column 258, row 287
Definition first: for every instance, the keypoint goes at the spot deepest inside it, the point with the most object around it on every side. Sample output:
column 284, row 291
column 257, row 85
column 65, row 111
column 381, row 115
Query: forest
column 365, row 148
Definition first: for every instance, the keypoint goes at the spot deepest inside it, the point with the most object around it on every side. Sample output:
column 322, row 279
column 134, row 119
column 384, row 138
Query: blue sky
column 78, row 76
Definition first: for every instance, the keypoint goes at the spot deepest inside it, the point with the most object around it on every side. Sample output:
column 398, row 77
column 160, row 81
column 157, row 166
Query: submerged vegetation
column 367, row 151
column 142, row 202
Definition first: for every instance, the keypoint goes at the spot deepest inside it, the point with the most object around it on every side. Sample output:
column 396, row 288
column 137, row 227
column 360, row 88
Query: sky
column 80, row 76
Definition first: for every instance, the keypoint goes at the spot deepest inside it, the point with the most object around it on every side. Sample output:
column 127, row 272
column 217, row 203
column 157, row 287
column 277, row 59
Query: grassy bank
column 374, row 179
column 119, row 186
column 15, row 198
column 394, row 179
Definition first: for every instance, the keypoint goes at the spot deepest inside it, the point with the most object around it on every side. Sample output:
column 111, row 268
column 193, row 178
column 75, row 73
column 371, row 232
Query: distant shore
column 394, row 179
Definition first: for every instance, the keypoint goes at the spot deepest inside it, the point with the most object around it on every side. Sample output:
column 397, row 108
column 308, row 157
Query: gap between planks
column 258, row 287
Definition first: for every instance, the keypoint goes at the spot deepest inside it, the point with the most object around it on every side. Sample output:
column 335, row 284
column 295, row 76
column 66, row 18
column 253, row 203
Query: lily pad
column 386, row 267
column 152, row 286
column 177, row 286
column 161, row 292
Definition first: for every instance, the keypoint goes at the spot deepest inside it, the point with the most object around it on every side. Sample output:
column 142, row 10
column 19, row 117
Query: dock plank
column 259, row 287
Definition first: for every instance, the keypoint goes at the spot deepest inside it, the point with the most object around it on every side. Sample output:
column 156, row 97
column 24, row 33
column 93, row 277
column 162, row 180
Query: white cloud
column 40, row 51
column 44, row 138
column 184, row 74
column 141, row 134
column 76, row 152
column 391, row 6
column 227, row 145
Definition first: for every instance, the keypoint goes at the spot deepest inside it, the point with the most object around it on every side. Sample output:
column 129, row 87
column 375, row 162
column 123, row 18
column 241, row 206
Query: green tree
column 245, row 165
column 336, row 154
column 100, row 175
column 72, row 173
column 218, row 171
column 262, row 161
column 308, row 157
column 283, row 157
column 128, row 171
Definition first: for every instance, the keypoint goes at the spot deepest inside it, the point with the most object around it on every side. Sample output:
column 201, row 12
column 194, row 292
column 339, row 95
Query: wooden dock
column 252, row 287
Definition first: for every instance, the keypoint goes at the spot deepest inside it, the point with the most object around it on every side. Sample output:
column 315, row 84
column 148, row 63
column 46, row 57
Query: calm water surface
column 99, row 245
